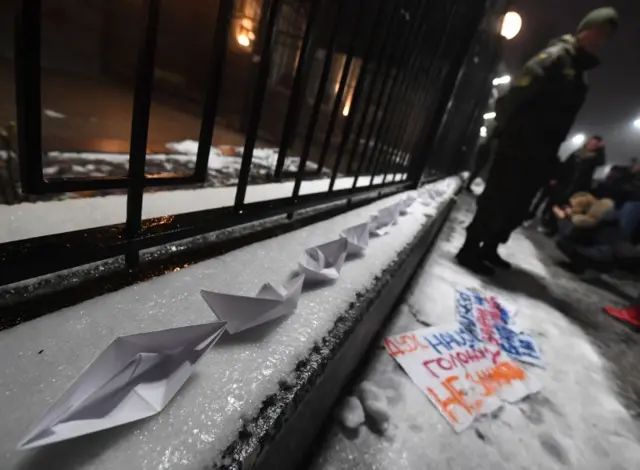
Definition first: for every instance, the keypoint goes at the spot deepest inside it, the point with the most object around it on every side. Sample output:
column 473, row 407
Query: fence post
column 140, row 127
column 28, row 94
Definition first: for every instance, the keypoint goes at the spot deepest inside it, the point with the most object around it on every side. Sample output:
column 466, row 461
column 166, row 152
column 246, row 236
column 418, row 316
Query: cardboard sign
column 462, row 377
column 491, row 321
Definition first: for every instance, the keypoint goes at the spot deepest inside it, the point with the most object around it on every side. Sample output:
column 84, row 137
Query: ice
column 231, row 383
column 576, row 421
column 351, row 413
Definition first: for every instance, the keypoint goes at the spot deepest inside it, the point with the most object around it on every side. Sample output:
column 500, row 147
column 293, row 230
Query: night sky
column 614, row 98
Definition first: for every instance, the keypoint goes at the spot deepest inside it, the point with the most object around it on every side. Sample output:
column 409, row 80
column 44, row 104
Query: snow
column 374, row 403
column 576, row 421
column 263, row 157
column 351, row 413
column 43, row 356
column 28, row 220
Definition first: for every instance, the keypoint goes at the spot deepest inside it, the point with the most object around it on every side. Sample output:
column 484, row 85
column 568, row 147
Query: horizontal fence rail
column 369, row 79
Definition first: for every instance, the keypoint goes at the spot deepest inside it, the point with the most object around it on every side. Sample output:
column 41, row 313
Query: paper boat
column 244, row 312
column 382, row 222
column 324, row 262
column 133, row 378
column 407, row 202
column 357, row 238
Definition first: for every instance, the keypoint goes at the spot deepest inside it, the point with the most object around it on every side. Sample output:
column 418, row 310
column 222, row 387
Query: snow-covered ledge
column 234, row 406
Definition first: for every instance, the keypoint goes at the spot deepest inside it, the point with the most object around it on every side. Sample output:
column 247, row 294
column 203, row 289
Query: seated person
column 612, row 237
column 622, row 184
column 573, row 175
column 584, row 211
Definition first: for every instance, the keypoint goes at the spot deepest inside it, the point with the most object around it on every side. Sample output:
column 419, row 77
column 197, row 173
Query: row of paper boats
column 137, row 375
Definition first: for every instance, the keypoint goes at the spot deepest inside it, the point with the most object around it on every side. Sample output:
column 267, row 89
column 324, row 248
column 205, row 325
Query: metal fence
column 378, row 130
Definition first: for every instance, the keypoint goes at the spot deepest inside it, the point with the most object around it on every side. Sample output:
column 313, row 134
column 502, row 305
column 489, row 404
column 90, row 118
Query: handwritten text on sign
column 489, row 320
column 462, row 377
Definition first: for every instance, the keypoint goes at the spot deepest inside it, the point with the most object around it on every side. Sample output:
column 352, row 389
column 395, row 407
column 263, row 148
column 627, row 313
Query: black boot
column 469, row 257
column 489, row 253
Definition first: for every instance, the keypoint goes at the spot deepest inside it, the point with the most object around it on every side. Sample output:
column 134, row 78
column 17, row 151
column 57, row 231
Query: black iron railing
column 410, row 53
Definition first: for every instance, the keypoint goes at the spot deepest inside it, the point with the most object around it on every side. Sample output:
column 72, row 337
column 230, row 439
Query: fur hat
column 601, row 16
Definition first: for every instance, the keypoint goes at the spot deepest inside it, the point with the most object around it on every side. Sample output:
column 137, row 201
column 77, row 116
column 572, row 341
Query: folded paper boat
column 324, row 262
column 357, row 238
column 133, row 378
column 382, row 222
column 407, row 202
column 243, row 312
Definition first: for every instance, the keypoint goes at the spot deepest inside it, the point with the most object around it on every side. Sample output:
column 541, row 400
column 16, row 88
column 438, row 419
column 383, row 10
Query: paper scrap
column 462, row 377
column 357, row 238
column 324, row 262
column 244, row 312
column 133, row 378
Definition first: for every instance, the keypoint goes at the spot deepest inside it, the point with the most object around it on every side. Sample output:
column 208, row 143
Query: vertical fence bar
column 452, row 80
column 212, row 94
column 380, row 66
column 360, row 84
column 416, row 123
column 27, row 49
column 271, row 10
column 140, row 125
column 408, row 122
column 315, row 111
column 297, row 89
column 341, row 87
column 384, row 116
column 398, row 155
column 394, row 91
column 402, row 129
column 375, row 154
column 411, row 125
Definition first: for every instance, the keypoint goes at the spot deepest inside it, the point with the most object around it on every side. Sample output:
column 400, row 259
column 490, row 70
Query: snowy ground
column 223, row 167
column 584, row 418
column 43, row 356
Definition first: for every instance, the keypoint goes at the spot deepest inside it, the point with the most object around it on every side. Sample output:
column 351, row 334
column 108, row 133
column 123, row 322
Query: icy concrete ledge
column 255, row 399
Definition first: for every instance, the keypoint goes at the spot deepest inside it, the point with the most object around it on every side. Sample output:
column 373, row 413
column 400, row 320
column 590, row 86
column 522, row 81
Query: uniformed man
column 534, row 116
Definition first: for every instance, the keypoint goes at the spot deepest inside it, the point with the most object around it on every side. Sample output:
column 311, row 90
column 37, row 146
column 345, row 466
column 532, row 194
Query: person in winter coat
column 534, row 117
column 612, row 242
column 582, row 164
column 583, row 212
column 622, row 184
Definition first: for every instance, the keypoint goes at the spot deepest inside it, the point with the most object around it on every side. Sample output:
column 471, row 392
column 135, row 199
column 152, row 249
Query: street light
column 579, row 139
column 504, row 80
column 636, row 123
column 511, row 25
column 491, row 115
column 483, row 131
